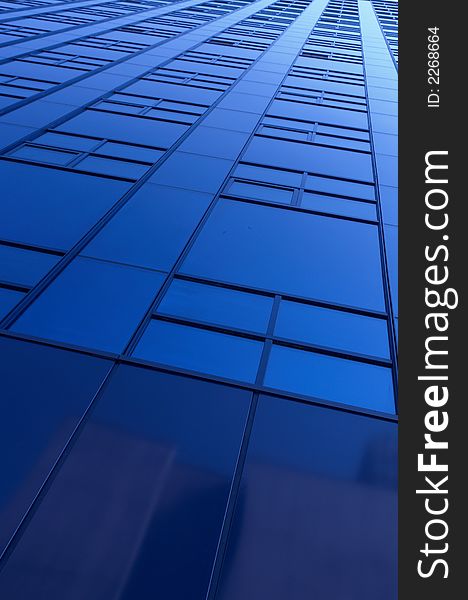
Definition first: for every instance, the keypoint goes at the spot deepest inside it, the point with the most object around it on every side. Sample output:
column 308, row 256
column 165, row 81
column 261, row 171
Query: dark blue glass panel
column 92, row 303
column 8, row 299
column 45, row 392
column 24, row 267
column 217, row 305
column 192, row 171
column 200, row 350
column 244, row 102
column 319, row 113
column 136, row 510
column 260, row 192
column 51, row 208
column 339, row 187
column 330, row 378
column 269, row 175
column 339, row 206
column 45, row 155
column 232, row 119
column 317, row 159
column 316, row 512
column 215, row 142
column 168, row 91
column 70, row 142
column 152, row 229
column 124, row 128
column 130, row 151
column 115, row 168
column 332, row 328
column 286, row 251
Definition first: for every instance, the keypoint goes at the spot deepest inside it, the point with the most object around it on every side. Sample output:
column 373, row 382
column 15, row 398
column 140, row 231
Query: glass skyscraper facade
column 198, row 294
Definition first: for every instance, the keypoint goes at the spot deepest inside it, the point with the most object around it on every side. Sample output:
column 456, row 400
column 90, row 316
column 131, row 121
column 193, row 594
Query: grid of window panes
column 387, row 14
column 199, row 199
column 298, row 172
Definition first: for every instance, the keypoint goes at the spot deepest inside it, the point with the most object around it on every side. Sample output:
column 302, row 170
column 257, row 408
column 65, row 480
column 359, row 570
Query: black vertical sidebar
column 433, row 453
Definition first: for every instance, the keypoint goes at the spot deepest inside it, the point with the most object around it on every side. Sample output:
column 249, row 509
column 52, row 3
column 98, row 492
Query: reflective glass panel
column 45, row 392
column 332, row 328
column 152, row 228
column 136, row 510
column 25, row 267
column 200, row 350
column 52, row 208
column 217, row 305
column 330, row 378
column 298, row 253
column 92, row 303
column 316, row 514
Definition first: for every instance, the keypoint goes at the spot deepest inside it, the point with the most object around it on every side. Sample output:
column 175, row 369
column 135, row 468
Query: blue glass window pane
column 136, row 510
column 330, row 378
column 124, row 128
column 286, row 133
column 329, row 161
column 92, row 303
column 200, row 350
column 386, row 144
column 286, row 251
column 192, row 171
column 8, row 299
column 260, row 192
column 217, row 305
column 319, row 113
column 117, row 168
column 342, row 188
column 339, row 206
column 220, row 143
column 53, row 157
column 152, row 229
column 391, row 242
column 181, row 93
column 24, row 267
column 316, row 515
column 71, row 142
column 233, row 119
column 332, row 328
column 130, row 151
column 354, row 133
column 52, row 208
column 389, row 204
column 342, row 142
column 45, row 392
column 268, row 175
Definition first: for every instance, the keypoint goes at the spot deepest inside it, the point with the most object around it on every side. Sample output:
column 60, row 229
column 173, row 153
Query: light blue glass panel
column 332, row 328
column 330, row 378
column 339, row 206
